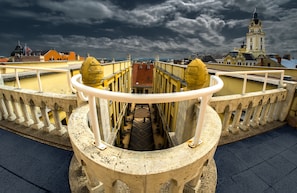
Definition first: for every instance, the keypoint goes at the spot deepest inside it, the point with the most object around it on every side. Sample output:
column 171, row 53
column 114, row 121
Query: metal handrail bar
column 38, row 70
column 246, row 73
column 91, row 93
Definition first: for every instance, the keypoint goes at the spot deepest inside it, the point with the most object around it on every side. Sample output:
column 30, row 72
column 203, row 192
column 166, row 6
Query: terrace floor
column 266, row 163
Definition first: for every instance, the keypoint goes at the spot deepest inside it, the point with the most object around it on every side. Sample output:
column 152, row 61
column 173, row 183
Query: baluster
column 4, row 113
column 93, row 184
column 28, row 121
column 270, row 116
column 46, row 121
column 256, row 114
column 194, row 185
column 120, row 186
column 235, row 123
column 225, row 124
column 277, row 112
column 245, row 125
column 11, row 115
column 60, row 129
column 37, row 124
column 20, row 118
column 67, row 117
column 265, row 110
column 178, row 188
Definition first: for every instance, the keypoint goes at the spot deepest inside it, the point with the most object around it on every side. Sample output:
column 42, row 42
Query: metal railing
column 90, row 94
column 246, row 73
column 38, row 70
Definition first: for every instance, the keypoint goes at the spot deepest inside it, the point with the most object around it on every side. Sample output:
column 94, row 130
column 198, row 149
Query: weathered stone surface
column 143, row 171
column 292, row 121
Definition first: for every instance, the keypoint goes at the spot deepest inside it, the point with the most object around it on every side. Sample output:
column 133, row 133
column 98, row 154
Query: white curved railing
column 245, row 74
column 90, row 94
column 38, row 70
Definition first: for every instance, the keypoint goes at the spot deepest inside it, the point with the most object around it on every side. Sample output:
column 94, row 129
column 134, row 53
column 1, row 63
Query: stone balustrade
column 174, row 170
column 181, row 168
column 37, row 114
column 244, row 115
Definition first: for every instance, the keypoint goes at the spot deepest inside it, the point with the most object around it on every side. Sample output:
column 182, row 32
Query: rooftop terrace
column 264, row 164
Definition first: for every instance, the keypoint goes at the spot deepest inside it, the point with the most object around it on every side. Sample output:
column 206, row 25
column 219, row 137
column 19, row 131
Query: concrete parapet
column 167, row 170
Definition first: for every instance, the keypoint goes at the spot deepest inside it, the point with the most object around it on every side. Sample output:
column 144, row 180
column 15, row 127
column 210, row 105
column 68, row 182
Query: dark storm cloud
column 170, row 28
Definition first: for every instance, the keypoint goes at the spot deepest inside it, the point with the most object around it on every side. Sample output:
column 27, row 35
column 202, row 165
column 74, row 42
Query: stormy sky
column 145, row 28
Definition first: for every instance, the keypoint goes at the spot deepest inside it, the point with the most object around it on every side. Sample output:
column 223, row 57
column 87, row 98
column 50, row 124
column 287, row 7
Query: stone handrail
column 118, row 170
column 91, row 94
column 174, row 170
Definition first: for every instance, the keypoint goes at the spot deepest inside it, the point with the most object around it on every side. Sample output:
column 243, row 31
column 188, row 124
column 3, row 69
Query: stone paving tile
column 248, row 182
column 266, row 163
column 234, row 147
column 271, row 174
column 287, row 184
column 264, row 151
column 252, row 184
column 248, row 157
column 294, row 148
column 292, row 177
column 11, row 183
column 276, row 147
column 269, row 190
column 254, row 141
column 290, row 155
column 32, row 167
column 228, row 164
column 263, row 164
column 286, row 140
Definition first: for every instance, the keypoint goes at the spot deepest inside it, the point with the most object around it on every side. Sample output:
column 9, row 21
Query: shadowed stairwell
column 141, row 138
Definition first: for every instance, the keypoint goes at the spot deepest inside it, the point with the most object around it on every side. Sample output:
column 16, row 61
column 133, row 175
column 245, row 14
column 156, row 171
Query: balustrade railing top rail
column 245, row 75
column 38, row 70
column 90, row 94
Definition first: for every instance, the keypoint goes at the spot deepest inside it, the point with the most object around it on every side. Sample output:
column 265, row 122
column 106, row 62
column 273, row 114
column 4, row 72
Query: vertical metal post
column 17, row 78
column 94, row 123
column 200, row 120
column 265, row 82
column 39, row 80
column 69, row 81
column 282, row 79
column 244, row 84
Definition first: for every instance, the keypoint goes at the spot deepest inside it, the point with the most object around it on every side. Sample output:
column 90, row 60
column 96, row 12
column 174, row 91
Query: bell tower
column 255, row 38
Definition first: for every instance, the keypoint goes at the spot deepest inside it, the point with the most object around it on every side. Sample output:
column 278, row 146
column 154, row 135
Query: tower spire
column 255, row 15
